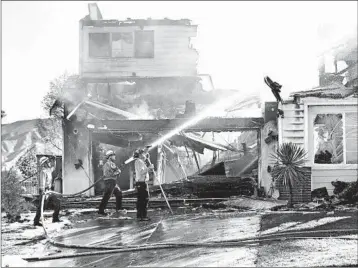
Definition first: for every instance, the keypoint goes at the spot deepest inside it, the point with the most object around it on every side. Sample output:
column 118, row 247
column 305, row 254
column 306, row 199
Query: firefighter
column 110, row 173
column 142, row 177
column 46, row 183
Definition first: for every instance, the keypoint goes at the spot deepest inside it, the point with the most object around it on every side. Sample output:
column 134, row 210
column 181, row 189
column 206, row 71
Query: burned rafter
column 217, row 124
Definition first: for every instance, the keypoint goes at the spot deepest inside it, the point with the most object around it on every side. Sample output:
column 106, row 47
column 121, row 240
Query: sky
column 238, row 42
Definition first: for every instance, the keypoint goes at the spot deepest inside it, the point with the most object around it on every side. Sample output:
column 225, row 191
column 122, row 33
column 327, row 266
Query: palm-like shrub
column 288, row 169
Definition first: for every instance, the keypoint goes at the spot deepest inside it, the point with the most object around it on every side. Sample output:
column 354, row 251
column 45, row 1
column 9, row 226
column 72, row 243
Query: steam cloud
column 142, row 110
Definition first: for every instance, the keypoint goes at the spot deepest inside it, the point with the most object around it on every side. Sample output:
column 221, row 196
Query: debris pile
column 205, row 187
column 345, row 196
column 346, row 192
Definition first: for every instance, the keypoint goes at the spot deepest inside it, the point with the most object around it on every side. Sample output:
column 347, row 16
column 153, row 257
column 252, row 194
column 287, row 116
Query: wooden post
column 159, row 164
column 90, row 165
column 244, row 148
column 214, row 152
column 164, row 165
column 196, row 160
column 187, row 152
column 131, row 177
column 259, row 158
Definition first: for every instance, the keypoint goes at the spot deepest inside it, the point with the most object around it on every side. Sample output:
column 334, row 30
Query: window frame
column 133, row 46
column 110, row 46
column 342, row 107
column 134, row 55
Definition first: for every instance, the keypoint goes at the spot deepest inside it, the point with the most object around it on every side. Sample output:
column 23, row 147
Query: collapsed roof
column 95, row 19
column 333, row 91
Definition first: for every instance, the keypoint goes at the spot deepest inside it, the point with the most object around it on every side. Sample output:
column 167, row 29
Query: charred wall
column 149, row 97
column 76, row 149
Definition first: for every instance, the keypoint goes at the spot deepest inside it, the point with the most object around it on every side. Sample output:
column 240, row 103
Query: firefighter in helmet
column 46, row 184
column 110, row 173
column 142, row 177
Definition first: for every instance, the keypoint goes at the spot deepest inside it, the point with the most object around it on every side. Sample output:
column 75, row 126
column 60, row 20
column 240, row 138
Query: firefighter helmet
column 109, row 153
column 43, row 160
column 137, row 153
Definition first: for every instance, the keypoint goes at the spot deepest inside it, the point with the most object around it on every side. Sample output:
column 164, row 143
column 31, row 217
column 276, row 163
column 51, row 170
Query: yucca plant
column 288, row 168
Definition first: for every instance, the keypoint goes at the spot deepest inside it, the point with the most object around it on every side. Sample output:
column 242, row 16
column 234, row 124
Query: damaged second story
column 340, row 65
column 148, row 65
column 111, row 49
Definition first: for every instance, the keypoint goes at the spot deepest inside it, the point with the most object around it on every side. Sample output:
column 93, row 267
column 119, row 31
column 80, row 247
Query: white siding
column 292, row 125
column 172, row 54
column 295, row 127
column 324, row 177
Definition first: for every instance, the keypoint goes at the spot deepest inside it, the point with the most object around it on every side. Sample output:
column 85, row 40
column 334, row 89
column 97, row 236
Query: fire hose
column 157, row 247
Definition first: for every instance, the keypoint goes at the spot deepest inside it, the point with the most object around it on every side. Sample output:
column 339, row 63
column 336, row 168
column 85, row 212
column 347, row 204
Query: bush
column 27, row 164
column 12, row 203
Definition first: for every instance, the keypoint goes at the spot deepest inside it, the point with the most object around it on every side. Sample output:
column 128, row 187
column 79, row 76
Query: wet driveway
column 206, row 227
column 186, row 228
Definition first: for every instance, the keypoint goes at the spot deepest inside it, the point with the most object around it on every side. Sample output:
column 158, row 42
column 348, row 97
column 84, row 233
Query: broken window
column 328, row 130
column 99, row 45
column 122, row 45
column 335, row 138
column 144, row 44
column 351, row 134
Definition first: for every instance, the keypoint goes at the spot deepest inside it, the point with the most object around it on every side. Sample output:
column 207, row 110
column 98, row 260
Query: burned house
column 137, row 81
column 324, row 120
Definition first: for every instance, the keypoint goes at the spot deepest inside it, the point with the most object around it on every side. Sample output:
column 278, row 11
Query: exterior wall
column 324, row 177
column 297, row 127
column 265, row 177
column 76, row 146
column 291, row 127
column 172, row 54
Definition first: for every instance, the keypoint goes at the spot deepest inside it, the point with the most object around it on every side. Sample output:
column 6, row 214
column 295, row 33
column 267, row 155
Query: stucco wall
column 76, row 146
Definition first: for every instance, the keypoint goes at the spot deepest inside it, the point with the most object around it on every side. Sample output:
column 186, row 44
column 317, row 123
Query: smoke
column 142, row 110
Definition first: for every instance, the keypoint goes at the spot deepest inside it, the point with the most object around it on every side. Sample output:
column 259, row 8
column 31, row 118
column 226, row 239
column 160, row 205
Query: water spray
column 218, row 106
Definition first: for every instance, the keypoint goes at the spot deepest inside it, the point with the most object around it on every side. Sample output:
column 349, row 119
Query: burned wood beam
column 205, row 125
column 160, row 168
column 196, row 160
